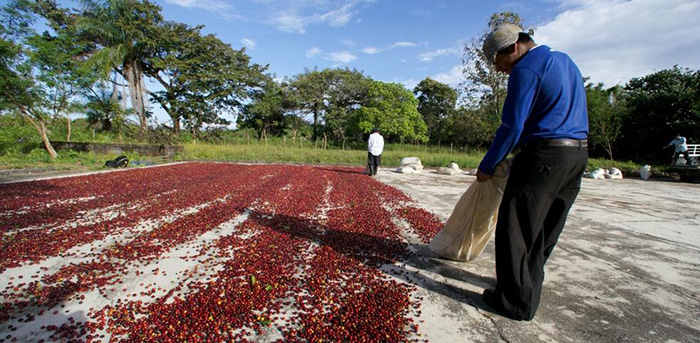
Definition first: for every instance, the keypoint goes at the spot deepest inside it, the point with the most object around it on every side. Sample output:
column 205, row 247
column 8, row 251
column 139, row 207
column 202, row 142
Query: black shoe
column 489, row 297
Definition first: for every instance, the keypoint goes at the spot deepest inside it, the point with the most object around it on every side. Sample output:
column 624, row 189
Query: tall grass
column 261, row 152
column 33, row 156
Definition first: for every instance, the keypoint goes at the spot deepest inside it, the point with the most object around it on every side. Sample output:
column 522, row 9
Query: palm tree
column 122, row 32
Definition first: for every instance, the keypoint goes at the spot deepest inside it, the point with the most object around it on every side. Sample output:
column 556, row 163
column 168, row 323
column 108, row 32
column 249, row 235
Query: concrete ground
column 626, row 268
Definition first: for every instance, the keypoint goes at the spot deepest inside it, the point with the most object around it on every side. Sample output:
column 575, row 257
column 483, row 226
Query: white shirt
column 680, row 144
column 375, row 144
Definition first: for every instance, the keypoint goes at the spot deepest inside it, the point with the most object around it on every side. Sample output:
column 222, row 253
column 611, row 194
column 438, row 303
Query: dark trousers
column 541, row 188
column 373, row 163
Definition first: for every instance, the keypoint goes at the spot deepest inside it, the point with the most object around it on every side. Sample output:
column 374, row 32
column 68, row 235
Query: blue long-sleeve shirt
column 546, row 100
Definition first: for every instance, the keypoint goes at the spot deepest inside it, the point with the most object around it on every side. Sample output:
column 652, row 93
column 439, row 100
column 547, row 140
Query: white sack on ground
column 473, row 219
column 596, row 174
column 613, row 173
column 409, row 169
column 448, row 171
column 410, row 160
column 645, row 172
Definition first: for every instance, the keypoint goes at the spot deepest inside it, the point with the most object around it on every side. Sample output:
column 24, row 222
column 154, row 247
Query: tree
column 660, row 105
column 470, row 128
column 347, row 91
column 436, row 103
column 331, row 96
column 55, row 57
column 393, row 109
column 125, row 34
column 19, row 88
column 266, row 113
column 310, row 88
column 485, row 88
column 103, row 108
column 606, row 109
column 201, row 76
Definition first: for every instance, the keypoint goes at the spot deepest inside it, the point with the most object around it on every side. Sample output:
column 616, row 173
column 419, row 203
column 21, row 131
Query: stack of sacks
column 410, row 165
column 613, row 173
column 451, row 170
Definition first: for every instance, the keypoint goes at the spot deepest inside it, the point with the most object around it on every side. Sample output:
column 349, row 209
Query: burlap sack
column 473, row 219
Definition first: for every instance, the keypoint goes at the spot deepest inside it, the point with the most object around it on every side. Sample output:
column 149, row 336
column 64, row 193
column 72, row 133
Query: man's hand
column 481, row 176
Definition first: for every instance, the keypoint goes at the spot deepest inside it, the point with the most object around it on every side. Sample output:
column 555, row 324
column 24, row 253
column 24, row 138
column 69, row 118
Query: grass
column 67, row 160
column 273, row 152
column 256, row 152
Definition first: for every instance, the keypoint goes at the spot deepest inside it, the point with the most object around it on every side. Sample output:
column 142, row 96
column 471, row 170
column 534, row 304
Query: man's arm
column 522, row 86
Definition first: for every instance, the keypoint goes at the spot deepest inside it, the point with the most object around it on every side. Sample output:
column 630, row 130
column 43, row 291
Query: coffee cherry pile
column 422, row 222
column 203, row 252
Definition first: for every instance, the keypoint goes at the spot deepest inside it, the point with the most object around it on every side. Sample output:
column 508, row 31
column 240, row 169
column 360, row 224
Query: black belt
column 575, row 143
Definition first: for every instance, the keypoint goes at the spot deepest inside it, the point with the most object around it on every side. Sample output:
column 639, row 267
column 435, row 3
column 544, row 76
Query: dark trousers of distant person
column 373, row 163
column 543, row 184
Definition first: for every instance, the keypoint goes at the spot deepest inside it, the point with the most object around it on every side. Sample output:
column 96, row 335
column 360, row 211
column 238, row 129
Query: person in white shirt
column 681, row 148
column 375, row 147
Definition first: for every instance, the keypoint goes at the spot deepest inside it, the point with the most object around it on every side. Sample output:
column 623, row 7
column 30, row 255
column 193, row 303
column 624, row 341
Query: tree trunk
column 40, row 126
column 133, row 75
column 142, row 98
column 176, row 123
column 315, row 126
column 69, row 128
column 609, row 149
column 46, row 141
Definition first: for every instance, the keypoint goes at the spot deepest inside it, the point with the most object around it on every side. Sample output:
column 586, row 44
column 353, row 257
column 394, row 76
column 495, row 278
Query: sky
column 406, row 41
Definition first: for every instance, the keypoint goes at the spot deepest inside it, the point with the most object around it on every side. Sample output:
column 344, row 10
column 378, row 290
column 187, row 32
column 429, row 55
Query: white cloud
column 249, row 43
column 286, row 16
column 338, row 17
column 210, row 5
column 348, row 42
column 402, row 44
column 313, row 52
column 430, row 55
column 216, row 6
column 340, row 56
column 453, row 77
column 373, row 50
column 295, row 16
column 613, row 41
column 289, row 23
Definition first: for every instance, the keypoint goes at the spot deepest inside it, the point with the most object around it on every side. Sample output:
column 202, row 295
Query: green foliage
column 331, row 96
column 393, row 109
column 436, row 103
column 124, row 33
column 201, row 76
column 606, row 110
column 660, row 105
column 471, row 128
column 266, row 113
column 484, row 90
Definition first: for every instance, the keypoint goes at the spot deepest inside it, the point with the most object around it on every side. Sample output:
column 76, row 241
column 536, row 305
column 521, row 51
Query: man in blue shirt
column 545, row 116
column 680, row 148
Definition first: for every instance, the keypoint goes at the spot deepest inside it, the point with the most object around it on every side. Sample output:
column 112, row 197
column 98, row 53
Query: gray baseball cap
column 502, row 37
